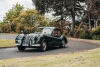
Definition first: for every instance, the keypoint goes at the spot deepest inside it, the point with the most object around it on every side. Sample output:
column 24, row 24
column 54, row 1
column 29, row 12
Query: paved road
column 74, row 46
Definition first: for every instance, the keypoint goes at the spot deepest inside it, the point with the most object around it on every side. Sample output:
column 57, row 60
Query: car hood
column 34, row 35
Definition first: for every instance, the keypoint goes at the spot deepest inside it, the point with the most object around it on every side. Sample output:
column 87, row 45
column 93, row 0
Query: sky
column 6, row 5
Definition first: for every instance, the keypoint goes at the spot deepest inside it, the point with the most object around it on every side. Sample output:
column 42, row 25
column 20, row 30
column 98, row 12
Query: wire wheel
column 43, row 46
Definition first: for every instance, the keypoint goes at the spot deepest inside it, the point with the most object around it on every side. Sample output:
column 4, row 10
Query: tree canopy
column 72, row 8
column 62, row 8
column 18, row 19
column 13, row 13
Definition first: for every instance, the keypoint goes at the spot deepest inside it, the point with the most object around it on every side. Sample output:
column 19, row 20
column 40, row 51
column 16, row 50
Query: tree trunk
column 79, row 28
column 78, row 31
column 89, row 22
column 94, row 24
column 96, row 21
column 73, row 23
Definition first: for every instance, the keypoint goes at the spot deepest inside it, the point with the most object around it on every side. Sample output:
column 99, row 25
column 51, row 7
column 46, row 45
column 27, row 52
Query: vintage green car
column 42, row 38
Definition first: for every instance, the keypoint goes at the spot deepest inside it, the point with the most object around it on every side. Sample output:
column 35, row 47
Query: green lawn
column 82, row 59
column 6, row 42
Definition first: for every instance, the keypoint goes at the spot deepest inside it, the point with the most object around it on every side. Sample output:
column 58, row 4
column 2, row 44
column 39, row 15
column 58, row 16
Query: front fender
column 40, row 38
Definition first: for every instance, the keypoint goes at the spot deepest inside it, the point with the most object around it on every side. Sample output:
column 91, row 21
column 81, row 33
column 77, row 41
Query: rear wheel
column 43, row 46
column 21, row 48
column 63, row 45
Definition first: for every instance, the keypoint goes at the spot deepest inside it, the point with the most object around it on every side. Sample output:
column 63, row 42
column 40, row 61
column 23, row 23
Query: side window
column 56, row 33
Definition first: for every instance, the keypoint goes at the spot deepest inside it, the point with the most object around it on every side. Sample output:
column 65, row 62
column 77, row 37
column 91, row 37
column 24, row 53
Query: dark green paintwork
column 38, row 38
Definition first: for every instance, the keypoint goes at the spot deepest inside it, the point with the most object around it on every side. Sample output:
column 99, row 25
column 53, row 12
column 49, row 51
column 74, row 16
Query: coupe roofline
column 48, row 27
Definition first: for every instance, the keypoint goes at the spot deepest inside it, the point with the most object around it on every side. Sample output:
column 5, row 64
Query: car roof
column 48, row 27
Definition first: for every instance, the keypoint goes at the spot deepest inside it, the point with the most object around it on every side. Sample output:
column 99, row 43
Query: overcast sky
column 6, row 5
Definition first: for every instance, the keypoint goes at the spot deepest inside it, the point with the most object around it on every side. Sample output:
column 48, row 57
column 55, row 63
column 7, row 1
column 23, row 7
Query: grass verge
column 6, row 42
column 9, row 33
column 82, row 59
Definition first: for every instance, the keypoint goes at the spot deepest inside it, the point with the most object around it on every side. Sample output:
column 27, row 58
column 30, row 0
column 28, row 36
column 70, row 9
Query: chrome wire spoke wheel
column 63, row 44
column 44, row 46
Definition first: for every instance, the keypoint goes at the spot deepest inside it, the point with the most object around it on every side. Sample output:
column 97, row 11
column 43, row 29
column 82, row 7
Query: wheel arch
column 44, row 39
column 65, row 39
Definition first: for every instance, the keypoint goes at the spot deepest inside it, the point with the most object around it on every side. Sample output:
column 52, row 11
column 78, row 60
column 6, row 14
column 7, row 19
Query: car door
column 56, row 37
column 50, row 40
column 47, row 35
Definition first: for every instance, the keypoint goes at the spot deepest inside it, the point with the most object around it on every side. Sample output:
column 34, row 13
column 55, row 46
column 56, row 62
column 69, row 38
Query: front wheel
column 21, row 48
column 43, row 46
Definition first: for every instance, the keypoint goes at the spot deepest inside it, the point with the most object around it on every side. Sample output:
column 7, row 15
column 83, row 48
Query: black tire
column 21, row 48
column 63, row 45
column 43, row 46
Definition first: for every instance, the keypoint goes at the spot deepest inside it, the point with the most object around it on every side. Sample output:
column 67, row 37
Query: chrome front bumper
column 16, row 44
column 35, row 45
column 26, row 45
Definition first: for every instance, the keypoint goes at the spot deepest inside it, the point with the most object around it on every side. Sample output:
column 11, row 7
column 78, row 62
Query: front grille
column 26, row 40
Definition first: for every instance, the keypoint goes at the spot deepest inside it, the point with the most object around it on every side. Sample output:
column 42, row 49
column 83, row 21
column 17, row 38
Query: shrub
column 13, row 27
column 65, row 32
column 28, row 30
column 6, row 28
column 19, row 27
column 85, row 34
column 96, row 37
column 96, row 33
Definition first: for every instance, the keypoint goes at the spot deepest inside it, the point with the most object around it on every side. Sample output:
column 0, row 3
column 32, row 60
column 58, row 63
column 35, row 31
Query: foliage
column 13, row 13
column 31, row 18
column 96, row 37
column 85, row 33
column 19, row 27
column 96, row 33
column 28, row 30
column 17, row 20
column 28, row 20
column 62, row 9
column 65, row 32
column 5, row 28
column 52, row 23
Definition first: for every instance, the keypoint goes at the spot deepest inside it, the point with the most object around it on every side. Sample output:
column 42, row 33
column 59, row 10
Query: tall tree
column 62, row 8
column 13, row 13
column 31, row 18
column 92, row 11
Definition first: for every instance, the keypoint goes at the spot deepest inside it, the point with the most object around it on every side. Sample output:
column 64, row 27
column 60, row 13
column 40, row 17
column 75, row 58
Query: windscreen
column 47, row 31
column 43, row 31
